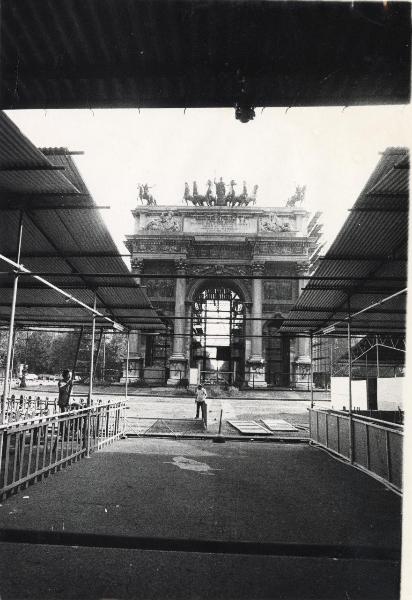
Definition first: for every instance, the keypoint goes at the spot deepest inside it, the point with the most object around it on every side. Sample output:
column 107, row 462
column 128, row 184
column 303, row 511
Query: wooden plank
column 249, row 427
column 278, row 425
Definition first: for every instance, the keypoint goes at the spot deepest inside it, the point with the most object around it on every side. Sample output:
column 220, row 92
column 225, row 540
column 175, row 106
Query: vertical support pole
column 331, row 363
column 230, row 341
column 377, row 371
column 76, row 356
column 126, row 384
column 104, row 358
column 11, row 323
column 311, row 369
column 350, row 387
column 12, row 362
column 89, row 399
column 377, row 356
column 205, row 341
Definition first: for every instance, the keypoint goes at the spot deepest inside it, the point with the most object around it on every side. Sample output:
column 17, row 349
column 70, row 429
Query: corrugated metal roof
column 367, row 262
column 182, row 53
column 73, row 243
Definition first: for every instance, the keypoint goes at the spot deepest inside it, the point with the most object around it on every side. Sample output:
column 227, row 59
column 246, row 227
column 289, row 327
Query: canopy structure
column 65, row 238
column 365, row 269
column 186, row 53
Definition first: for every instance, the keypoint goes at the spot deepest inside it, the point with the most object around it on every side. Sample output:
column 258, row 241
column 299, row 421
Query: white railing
column 31, row 449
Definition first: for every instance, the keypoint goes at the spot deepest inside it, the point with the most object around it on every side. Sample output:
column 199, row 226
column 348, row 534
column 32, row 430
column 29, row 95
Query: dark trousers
column 200, row 406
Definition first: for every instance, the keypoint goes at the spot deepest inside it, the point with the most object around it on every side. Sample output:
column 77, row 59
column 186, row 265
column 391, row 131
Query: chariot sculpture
column 221, row 197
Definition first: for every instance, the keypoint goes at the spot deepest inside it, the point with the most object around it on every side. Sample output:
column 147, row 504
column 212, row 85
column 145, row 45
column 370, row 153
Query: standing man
column 200, row 400
column 65, row 387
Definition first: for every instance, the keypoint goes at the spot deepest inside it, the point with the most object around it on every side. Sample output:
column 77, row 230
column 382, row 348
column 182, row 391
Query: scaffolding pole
column 89, row 399
column 126, row 384
column 377, row 359
column 311, row 370
column 11, row 323
column 350, row 386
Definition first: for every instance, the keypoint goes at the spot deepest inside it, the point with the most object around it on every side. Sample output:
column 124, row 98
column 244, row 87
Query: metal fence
column 26, row 407
column 373, row 445
column 32, row 449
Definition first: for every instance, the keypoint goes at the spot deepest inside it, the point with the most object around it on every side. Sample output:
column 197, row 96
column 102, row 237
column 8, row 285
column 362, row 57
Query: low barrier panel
column 26, row 407
column 377, row 446
column 31, row 449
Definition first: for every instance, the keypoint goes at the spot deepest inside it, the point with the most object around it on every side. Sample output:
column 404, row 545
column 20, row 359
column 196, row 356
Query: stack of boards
column 270, row 425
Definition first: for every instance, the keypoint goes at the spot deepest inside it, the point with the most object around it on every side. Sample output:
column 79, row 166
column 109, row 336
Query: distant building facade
column 222, row 249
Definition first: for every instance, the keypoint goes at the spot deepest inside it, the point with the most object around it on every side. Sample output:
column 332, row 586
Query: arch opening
column 218, row 332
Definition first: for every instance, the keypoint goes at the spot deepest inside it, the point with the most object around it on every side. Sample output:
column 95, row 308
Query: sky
column 331, row 150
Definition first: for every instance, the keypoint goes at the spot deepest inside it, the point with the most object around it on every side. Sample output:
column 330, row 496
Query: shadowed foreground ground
column 330, row 531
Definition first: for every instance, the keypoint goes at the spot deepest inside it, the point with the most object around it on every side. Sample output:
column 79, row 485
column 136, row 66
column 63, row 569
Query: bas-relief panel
column 278, row 290
column 280, row 248
column 159, row 288
column 166, row 221
column 164, row 306
column 158, row 246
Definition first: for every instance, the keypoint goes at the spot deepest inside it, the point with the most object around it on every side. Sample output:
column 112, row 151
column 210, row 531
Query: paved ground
column 310, row 510
column 145, row 410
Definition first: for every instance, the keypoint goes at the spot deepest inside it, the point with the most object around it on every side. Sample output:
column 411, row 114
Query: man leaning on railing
column 65, row 387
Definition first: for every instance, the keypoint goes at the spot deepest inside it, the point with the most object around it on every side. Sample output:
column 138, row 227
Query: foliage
column 51, row 352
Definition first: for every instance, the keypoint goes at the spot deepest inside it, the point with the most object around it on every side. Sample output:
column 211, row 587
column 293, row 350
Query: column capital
column 137, row 265
column 181, row 266
column 302, row 268
column 258, row 268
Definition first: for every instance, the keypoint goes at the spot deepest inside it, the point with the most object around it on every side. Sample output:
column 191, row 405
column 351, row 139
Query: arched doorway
column 218, row 334
column 276, row 350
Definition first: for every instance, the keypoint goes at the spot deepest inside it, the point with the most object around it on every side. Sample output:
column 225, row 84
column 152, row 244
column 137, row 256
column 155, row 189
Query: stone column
column 256, row 360
column 178, row 361
column 188, row 329
column 135, row 357
column 302, row 362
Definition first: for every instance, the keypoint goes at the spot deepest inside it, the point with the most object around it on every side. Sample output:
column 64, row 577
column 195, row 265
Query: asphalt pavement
column 151, row 518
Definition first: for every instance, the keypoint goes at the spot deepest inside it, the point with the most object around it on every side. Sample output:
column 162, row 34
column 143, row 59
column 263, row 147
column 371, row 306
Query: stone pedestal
column 135, row 368
column 135, row 360
column 256, row 373
column 302, row 372
column 178, row 367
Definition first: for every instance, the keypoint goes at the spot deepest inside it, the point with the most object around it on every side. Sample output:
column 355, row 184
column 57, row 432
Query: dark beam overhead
column 187, row 53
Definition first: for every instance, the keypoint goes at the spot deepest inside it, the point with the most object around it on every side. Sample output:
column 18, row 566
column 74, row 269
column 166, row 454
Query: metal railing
column 31, row 449
column 372, row 445
column 26, row 407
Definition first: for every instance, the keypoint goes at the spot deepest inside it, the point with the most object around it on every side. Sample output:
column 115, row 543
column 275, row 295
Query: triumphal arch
column 223, row 273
